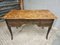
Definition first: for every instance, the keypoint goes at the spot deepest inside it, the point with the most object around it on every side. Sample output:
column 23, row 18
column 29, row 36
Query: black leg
column 9, row 30
column 49, row 29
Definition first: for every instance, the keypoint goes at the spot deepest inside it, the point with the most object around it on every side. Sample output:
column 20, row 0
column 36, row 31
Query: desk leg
column 9, row 30
column 49, row 29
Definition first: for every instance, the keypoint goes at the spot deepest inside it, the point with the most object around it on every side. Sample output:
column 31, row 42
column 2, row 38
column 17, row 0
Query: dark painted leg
column 49, row 29
column 9, row 30
column 48, row 32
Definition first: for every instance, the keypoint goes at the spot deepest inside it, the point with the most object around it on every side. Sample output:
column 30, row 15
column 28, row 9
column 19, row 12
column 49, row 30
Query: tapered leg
column 49, row 29
column 48, row 32
column 9, row 30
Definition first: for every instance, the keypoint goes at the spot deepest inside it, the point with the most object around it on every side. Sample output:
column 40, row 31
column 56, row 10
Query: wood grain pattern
column 29, row 14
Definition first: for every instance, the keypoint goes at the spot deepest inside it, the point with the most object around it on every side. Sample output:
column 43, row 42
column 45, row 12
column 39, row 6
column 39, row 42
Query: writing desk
column 39, row 17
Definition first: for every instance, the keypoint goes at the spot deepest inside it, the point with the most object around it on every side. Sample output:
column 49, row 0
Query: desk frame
column 39, row 22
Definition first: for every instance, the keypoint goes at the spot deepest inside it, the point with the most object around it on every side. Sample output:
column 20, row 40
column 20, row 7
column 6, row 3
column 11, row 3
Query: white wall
column 52, row 5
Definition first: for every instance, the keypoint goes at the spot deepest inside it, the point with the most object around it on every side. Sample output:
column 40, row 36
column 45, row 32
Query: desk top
column 29, row 14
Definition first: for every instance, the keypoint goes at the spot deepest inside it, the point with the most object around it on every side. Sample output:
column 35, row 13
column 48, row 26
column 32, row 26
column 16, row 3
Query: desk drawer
column 20, row 22
column 14, row 23
column 45, row 22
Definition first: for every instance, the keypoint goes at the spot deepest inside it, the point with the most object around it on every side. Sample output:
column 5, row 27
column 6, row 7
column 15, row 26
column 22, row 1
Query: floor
column 30, row 35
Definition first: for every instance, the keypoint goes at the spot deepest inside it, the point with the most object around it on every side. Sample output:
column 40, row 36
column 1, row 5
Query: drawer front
column 20, row 22
column 14, row 23
column 38, row 22
column 46, row 22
